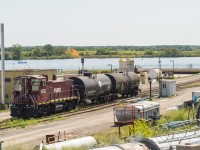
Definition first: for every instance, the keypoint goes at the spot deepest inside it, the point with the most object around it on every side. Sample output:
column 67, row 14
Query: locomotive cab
column 25, row 94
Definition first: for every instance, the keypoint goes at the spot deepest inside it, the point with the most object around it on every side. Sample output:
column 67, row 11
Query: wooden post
column 119, row 132
column 58, row 135
column 64, row 136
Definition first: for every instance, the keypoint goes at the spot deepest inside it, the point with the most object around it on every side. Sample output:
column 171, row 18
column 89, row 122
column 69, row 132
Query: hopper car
column 35, row 95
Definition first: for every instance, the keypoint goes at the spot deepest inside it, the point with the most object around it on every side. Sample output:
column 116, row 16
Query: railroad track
column 142, row 95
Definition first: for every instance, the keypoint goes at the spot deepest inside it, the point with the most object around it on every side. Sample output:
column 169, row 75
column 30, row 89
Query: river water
column 102, row 63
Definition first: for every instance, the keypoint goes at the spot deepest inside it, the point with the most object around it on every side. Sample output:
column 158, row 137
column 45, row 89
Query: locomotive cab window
column 17, row 81
column 35, row 84
column 17, row 85
column 43, row 83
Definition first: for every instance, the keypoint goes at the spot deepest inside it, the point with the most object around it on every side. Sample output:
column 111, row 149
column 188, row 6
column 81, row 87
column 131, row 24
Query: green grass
column 22, row 123
column 15, row 122
column 4, row 110
column 15, row 146
column 108, row 137
column 175, row 115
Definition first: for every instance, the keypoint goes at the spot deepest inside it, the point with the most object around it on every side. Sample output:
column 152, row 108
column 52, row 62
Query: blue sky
column 101, row 22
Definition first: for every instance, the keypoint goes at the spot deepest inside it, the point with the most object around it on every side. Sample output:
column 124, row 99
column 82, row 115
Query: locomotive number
column 43, row 90
column 57, row 90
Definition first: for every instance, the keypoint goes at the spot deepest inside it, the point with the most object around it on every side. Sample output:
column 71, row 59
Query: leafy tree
column 38, row 52
column 68, row 54
column 149, row 52
column 172, row 52
column 58, row 51
column 49, row 49
column 17, row 51
column 8, row 56
column 103, row 52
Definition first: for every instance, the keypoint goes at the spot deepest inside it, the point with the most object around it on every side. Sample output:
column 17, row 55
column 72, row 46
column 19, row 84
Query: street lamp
column 110, row 67
column 173, row 66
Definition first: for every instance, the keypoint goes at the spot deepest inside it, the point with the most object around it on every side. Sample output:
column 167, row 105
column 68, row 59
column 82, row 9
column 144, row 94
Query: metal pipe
column 2, row 66
column 127, row 146
column 173, row 66
column 110, row 68
column 86, row 142
column 150, row 89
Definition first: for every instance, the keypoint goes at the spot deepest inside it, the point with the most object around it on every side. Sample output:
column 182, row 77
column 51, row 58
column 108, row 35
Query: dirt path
column 81, row 124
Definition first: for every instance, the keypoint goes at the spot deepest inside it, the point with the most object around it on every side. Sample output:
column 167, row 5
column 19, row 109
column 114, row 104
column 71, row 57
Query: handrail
column 11, row 101
column 33, row 100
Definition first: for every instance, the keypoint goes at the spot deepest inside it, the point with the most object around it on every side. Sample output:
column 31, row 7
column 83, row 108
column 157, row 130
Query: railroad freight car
column 95, row 88
column 125, row 84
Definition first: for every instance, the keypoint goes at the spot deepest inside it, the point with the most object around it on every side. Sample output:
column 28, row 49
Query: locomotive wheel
column 69, row 106
column 106, row 98
column 135, row 93
column 45, row 111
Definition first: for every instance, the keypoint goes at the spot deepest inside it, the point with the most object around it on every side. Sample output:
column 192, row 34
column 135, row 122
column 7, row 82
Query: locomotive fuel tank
column 91, row 87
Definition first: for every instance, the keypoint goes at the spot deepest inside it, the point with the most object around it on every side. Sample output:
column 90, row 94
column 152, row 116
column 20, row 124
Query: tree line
column 18, row 52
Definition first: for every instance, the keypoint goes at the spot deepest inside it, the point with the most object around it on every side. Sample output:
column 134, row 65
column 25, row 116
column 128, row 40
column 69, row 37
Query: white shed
column 167, row 88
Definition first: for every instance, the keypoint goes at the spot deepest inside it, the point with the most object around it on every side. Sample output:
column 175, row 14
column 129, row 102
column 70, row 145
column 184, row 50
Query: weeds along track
column 13, row 123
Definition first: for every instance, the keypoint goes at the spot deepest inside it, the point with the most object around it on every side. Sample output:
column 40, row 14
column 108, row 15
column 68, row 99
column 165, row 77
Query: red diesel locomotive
column 34, row 95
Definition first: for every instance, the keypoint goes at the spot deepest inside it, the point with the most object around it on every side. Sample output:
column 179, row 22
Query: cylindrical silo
column 126, row 65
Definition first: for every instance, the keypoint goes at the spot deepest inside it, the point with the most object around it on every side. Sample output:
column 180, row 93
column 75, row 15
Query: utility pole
column 110, row 68
column 173, row 66
column 82, row 61
column 159, row 67
column 150, row 97
column 2, row 67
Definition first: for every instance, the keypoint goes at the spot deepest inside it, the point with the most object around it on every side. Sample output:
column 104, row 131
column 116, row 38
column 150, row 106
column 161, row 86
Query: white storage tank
column 126, row 65
column 128, row 113
column 87, row 141
column 154, row 73
column 167, row 88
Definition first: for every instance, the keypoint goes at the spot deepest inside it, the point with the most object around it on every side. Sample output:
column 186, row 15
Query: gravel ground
column 81, row 124
column 4, row 115
column 181, row 96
